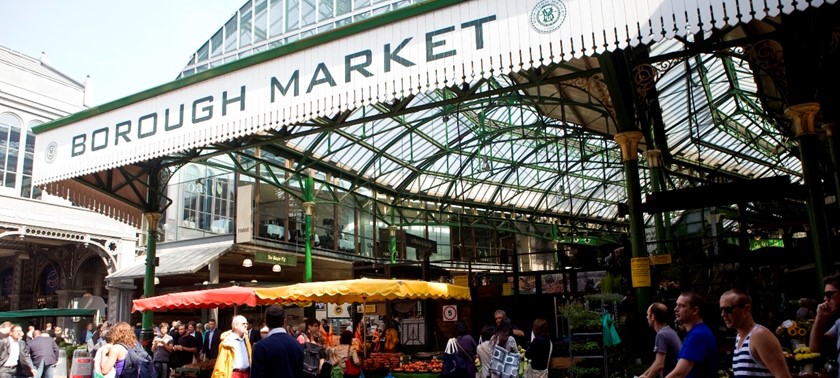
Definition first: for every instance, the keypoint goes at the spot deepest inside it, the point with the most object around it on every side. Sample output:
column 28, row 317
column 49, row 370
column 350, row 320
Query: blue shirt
column 835, row 330
column 700, row 347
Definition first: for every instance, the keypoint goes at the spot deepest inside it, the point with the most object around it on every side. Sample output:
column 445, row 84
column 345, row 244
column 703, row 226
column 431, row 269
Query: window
column 208, row 201
column 26, row 188
column 9, row 149
column 260, row 20
column 245, row 25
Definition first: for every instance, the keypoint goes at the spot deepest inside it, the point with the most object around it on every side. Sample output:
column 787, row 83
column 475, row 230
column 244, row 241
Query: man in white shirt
column 14, row 361
column 234, row 359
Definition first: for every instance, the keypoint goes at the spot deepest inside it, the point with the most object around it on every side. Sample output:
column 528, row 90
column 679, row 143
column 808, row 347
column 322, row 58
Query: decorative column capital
column 654, row 158
column 803, row 116
column 153, row 219
column 629, row 143
column 829, row 129
column 309, row 207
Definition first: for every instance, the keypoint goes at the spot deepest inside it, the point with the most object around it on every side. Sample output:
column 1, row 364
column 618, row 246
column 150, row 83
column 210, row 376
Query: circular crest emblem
column 52, row 151
column 548, row 15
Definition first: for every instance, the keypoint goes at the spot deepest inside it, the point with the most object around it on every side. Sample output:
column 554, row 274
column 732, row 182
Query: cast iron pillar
column 835, row 159
column 309, row 209
column 152, row 220
column 392, row 246
column 654, row 159
column 629, row 143
column 802, row 116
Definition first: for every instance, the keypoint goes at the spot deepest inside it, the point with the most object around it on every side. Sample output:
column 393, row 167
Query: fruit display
column 381, row 361
column 433, row 366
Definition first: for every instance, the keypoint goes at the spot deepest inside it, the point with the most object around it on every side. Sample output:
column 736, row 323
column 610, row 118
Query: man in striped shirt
column 757, row 350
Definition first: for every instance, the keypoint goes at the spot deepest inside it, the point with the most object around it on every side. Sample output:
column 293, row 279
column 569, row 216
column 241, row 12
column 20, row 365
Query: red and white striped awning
column 412, row 50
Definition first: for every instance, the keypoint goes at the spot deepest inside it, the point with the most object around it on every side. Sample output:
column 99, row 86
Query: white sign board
column 373, row 61
column 450, row 313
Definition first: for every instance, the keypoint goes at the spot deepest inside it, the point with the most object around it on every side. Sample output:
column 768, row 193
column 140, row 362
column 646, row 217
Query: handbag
column 530, row 372
column 454, row 360
column 505, row 363
column 350, row 368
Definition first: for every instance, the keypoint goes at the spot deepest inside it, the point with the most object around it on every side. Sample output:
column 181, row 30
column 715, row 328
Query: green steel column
column 393, row 243
column 802, row 116
column 152, row 220
column 309, row 207
column 653, row 158
column 629, row 143
column 835, row 159
column 554, row 243
column 392, row 247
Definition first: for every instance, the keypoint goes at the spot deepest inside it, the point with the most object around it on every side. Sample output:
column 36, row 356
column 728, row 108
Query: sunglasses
column 830, row 293
column 728, row 309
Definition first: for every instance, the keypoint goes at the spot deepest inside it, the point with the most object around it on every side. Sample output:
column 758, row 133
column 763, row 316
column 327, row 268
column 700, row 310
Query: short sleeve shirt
column 700, row 347
column 668, row 342
column 835, row 330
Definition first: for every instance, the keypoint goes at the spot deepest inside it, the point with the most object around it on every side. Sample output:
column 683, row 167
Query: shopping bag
column 504, row 364
column 454, row 361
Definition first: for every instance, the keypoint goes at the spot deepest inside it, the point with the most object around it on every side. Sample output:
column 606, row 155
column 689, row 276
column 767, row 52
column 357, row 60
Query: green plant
column 587, row 347
column 606, row 298
column 581, row 371
column 579, row 317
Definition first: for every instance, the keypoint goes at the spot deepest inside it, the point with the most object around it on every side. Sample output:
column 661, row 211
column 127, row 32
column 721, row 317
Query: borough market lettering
column 204, row 109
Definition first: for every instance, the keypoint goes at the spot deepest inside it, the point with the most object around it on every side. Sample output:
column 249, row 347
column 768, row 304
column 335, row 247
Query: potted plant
column 579, row 317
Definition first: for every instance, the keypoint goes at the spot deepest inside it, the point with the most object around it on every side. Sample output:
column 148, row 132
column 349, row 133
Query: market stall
column 344, row 291
column 366, row 290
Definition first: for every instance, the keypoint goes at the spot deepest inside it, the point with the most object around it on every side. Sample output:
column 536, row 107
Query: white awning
column 408, row 51
column 177, row 260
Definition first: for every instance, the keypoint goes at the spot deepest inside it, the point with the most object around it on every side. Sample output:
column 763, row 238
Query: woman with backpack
column 122, row 334
column 345, row 357
column 314, row 352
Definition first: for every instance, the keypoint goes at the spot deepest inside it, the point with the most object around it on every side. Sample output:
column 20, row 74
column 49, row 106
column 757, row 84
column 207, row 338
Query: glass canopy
column 537, row 142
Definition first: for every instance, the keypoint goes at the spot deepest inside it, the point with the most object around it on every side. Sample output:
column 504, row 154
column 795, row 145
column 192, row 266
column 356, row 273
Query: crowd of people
column 31, row 354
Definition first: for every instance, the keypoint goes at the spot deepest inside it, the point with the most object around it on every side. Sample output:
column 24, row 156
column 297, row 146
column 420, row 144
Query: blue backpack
column 138, row 363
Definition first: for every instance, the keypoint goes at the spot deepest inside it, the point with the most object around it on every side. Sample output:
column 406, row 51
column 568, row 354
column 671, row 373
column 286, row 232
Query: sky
column 124, row 46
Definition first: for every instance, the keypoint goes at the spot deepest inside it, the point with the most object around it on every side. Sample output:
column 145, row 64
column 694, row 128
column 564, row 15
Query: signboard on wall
column 640, row 271
column 244, row 214
column 450, row 313
column 341, row 310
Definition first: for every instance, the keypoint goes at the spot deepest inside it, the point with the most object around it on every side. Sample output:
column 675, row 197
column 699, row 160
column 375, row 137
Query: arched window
column 6, row 281
column 49, row 280
column 26, row 188
column 10, row 143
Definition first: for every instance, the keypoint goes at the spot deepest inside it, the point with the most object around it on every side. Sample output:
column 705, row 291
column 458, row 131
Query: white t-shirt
column 101, row 354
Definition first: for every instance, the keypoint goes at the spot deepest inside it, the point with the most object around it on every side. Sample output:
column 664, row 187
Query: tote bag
column 505, row 363
column 534, row 373
column 454, row 360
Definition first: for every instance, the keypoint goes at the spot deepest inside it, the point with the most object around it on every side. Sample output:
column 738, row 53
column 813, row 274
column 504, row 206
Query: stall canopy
column 210, row 298
column 47, row 312
column 359, row 290
column 177, row 260
column 363, row 290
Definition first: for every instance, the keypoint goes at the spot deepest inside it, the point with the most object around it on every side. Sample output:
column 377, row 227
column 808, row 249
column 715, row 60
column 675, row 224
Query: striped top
column 743, row 363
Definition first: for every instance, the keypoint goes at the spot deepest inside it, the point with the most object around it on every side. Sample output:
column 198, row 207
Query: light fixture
column 205, row 283
column 157, row 281
column 254, row 281
column 799, row 235
column 247, row 263
column 276, row 268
